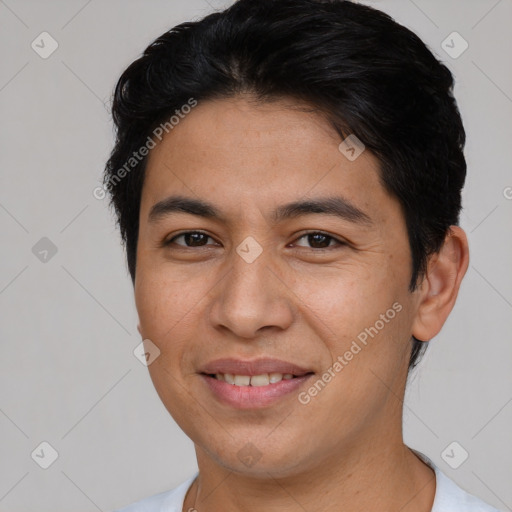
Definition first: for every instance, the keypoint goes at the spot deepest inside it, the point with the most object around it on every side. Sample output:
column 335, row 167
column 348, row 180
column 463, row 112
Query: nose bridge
column 247, row 281
column 251, row 296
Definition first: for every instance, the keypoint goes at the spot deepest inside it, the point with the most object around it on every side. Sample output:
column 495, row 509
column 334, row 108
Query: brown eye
column 319, row 240
column 191, row 239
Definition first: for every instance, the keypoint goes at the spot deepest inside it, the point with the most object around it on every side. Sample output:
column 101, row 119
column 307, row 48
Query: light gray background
column 67, row 372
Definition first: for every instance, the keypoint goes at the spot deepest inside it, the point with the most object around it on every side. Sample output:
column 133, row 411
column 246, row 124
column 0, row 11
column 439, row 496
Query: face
column 251, row 287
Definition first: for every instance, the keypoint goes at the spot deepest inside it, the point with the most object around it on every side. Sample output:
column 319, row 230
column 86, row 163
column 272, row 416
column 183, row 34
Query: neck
column 389, row 475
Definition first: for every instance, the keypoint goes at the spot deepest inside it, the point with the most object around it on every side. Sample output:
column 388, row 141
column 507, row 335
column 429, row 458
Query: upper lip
column 253, row 367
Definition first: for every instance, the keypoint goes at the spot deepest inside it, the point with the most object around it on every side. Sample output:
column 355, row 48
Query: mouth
column 253, row 384
column 264, row 379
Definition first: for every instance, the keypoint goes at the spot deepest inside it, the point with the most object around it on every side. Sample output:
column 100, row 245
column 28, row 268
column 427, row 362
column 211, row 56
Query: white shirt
column 449, row 497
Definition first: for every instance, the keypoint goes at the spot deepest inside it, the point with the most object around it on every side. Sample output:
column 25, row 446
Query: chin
column 259, row 459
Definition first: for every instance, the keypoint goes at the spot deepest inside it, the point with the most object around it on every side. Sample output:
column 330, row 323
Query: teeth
column 260, row 380
column 242, row 380
column 256, row 380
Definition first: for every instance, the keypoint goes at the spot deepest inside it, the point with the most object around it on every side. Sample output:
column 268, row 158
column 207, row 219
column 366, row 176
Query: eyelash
column 339, row 243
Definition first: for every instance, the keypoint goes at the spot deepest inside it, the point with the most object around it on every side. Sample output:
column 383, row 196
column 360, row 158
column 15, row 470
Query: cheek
column 165, row 303
column 361, row 317
column 348, row 298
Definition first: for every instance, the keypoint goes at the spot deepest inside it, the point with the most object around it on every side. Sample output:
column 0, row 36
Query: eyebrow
column 337, row 206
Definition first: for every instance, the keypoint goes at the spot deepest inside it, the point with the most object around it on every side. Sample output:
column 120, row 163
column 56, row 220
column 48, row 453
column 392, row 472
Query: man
column 287, row 178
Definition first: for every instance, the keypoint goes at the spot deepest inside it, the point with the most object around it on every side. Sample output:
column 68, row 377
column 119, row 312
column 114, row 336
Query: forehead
column 231, row 128
column 233, row 150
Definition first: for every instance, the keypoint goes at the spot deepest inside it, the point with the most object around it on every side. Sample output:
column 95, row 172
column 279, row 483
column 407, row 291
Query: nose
column 252, row 298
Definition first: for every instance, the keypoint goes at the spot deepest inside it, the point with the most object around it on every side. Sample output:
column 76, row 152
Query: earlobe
column 440, row 285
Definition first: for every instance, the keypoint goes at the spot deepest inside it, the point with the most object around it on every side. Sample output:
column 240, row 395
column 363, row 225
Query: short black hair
column 367, row 74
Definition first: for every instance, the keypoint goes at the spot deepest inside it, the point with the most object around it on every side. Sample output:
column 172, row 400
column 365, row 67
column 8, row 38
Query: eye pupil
column 193, row 237
column 314, row 236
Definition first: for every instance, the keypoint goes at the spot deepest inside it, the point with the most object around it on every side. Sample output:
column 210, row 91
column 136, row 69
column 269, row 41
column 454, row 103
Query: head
column 222, row 122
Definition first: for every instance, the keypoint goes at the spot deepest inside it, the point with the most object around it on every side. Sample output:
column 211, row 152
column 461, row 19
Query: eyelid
column 168, row 241
column 340, row 242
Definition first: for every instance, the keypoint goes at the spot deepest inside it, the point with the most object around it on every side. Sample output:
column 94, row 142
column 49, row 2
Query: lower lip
column 250, row 397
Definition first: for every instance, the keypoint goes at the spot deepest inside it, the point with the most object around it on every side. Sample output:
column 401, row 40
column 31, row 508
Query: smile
column 255, row 380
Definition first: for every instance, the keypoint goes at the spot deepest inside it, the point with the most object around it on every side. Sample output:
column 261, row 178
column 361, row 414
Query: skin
column 297, row 301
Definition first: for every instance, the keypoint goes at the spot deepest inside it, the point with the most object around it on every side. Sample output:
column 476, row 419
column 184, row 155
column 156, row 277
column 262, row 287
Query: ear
column 440, row 286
